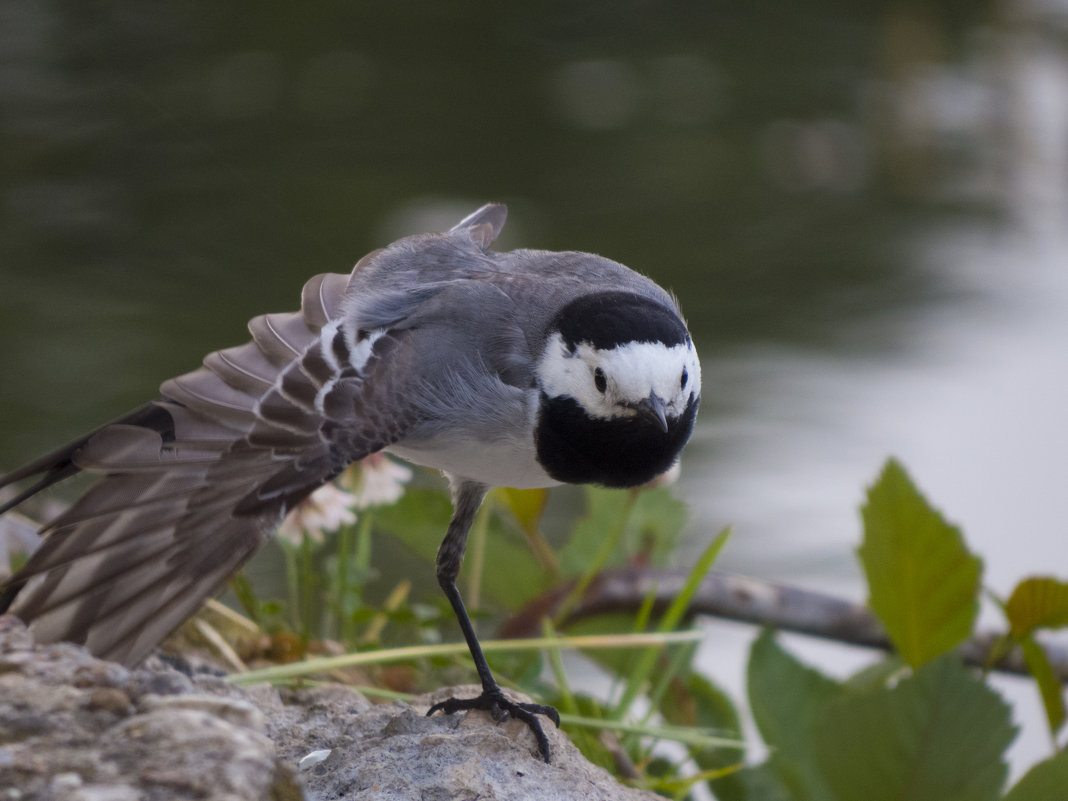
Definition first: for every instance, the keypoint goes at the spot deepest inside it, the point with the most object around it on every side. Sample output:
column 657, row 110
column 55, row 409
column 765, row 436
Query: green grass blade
column 385, row 656
column 647, row 662
column 556, row 663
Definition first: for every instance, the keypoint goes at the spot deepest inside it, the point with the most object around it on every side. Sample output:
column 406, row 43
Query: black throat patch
column 622, row 452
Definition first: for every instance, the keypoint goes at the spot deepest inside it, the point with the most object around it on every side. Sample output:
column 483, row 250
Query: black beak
column 652, row 409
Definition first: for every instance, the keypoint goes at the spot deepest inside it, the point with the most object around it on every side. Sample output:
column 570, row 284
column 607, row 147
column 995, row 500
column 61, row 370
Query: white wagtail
column 523, row 369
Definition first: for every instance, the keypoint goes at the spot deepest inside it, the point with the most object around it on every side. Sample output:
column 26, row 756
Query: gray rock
column 78, row 729
column 75, row 728
column 393, row 752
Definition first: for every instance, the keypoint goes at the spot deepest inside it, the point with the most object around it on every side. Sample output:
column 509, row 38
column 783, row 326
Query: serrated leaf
column 938, row 735
column 786, row 699
column 923, row 582
column 1037, row 602
column 1046, row 781
column 1049, row 687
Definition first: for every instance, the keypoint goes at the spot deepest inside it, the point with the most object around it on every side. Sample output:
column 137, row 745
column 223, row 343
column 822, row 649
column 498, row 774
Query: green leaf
column 787, row 699
column 694, row 701
column 1048, row 685
column 1037, row 602
column 653, row 522
column 604, row 508
column 646, row 663
column 527, row 506
column 938, row 735
column 876, row 675
column 1045, row 781
column 924, row 583
column 420, row 518
column 589, row 741
column 755, row 783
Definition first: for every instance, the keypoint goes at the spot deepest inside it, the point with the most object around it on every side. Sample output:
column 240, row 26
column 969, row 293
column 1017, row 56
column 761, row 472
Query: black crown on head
column 607, row 320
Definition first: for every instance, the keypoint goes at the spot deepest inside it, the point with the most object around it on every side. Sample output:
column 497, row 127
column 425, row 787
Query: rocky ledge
column 75, row 728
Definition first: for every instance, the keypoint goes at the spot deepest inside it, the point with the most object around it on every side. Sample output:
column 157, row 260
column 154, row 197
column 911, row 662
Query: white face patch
column 632, row 372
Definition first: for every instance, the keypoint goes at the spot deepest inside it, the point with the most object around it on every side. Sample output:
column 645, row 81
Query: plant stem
column 307, row 591
column 341, row 587
column 670, row 619
column 292, row 585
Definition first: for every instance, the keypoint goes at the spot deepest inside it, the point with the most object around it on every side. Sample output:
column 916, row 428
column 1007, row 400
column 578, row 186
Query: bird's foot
column 500, row 708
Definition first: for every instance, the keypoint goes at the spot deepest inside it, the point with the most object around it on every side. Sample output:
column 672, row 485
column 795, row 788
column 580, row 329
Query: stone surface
column 75, row 728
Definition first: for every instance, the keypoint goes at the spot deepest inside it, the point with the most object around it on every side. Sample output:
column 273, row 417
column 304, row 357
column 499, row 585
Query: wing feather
column 281, row 337
column 191, row 484
column 320, row 301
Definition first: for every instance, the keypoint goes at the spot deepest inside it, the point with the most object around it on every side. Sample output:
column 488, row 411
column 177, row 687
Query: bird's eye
column 599, row 380
column 684, row 379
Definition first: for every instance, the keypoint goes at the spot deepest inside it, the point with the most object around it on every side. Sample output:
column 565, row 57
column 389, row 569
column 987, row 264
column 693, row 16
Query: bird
column 523, row 368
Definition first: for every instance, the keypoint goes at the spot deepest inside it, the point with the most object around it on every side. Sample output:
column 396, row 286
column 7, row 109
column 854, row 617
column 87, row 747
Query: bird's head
column 620, row 384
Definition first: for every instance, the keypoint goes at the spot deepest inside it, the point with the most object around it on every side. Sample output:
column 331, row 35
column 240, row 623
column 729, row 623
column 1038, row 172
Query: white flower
column 326, row 509
column 376, row 481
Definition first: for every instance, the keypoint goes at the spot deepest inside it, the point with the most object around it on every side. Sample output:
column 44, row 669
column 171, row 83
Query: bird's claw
column 500, row 709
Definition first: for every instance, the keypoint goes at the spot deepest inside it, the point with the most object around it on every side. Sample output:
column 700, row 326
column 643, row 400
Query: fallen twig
column 759, row 602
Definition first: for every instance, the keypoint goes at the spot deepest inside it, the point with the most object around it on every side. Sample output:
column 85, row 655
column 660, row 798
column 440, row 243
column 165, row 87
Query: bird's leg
column 467, row 496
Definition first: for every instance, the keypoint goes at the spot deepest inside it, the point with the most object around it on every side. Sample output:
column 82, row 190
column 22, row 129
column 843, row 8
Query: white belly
column 504, row 463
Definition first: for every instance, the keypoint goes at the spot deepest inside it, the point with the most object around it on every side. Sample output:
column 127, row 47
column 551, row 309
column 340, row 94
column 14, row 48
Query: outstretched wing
column 194, row 481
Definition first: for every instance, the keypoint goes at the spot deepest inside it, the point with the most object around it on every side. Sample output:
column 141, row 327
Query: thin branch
column 761, row 603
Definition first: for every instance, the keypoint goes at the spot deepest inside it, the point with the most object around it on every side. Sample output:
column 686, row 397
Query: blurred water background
column 861, row 206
